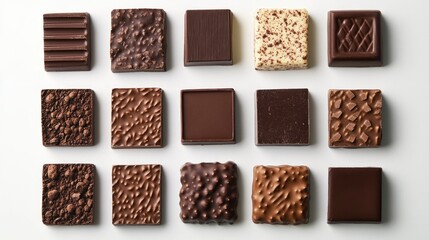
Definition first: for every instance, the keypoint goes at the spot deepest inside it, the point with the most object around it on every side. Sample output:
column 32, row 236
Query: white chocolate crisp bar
column 281, row 39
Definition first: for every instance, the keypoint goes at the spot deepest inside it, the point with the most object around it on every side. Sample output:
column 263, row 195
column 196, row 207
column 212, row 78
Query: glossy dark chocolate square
column 208, row 37
column 208, row 116
column 354, row 39
column 282, row 117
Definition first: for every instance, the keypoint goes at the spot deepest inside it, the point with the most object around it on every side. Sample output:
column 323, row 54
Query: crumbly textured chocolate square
column 281, row 39
column 136, row 117
column 68, row 192
column 355, row 118
column 67, row 117
column 354, row 195
column 208, row 37
column 136, row 194
column 67, row 41
column 354, row 39
column 209, row 193
column 137, row 40
column 281, row 194
column 282, row 117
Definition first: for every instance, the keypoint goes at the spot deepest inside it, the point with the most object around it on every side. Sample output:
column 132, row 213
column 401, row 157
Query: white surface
column 403, row 156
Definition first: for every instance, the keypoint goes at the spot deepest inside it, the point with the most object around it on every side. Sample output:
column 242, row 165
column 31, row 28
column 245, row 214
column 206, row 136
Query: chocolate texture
column 137, row 40
column 136, row 117
column 354, row 39
column 67, row 117
column 68, row 194
column 209, row 193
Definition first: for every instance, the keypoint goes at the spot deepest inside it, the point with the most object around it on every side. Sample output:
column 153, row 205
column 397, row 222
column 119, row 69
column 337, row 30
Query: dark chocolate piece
column 208, row 37
column 137, row 40
column 67, row 41
column 208, row 116
column 67, row 117
column 355, row 118
column 282, row 117
column 68, row 192
column 136, row 194
column 354, row 39
column 209, row 193
column 281, row 194
column 354, row 195
column 136, row 117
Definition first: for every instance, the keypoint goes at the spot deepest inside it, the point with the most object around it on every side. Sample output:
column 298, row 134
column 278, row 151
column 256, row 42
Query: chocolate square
column 282, row 117
column 354, row 195
column 136, row 194
column 67, row 117
column 136, row 117
column 137, row 40
column 68, row 194
column 209, row 193
column 354, row 39
column 281, row 194
column 355, row 118
column 281, row 39
column 208, row 37
column 208, row 116
column 67, row 41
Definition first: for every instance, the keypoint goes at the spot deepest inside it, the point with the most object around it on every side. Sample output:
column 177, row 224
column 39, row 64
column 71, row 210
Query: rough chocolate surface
column 136, row 117
column 137, row 40
column 136, row 194
column 67, row 117
column 209, row 193
column 68, row 191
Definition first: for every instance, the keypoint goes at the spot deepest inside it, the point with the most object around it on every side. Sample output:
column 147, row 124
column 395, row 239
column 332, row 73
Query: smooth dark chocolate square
column 209, row 193
column 67, row 41
column 281, row 194
column 354, row 195
column 354, row 39
column 208, row 37
column 137, row 40
column 355, row 118
column 208, row 116
column 67, row 117
column 282, row 117
column 136, row 117
column 136, row 194
column 68, row 194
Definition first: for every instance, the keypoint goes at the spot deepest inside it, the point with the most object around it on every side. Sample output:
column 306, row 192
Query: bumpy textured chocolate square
column 209, row 193
column 282, row 117
column 355, row 118
column 67, row 117
column 136, row 117
column 136, row 194
column 354, row 39
column 68, row 192
column 281, row 39
column 281, row 194
column 137, row 40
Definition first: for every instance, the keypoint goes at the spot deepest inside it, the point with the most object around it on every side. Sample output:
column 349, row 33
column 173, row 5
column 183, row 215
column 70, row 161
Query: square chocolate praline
column 137, row 40
column 354, row 195
column 67, row 117
column 209, row 193
column 282, row 117
column 281, row 194
column 208, row 116
column 208, row 37
column 136, row 117
column 136, row 194
column 354, row 39
column 68, row 194
column 355, row 118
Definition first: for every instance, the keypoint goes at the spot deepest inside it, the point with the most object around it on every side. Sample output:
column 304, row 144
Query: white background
column 403, row 155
